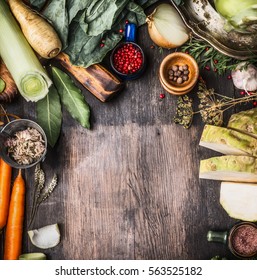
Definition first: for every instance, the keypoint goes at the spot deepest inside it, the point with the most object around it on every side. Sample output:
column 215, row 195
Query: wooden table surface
column 129, row 187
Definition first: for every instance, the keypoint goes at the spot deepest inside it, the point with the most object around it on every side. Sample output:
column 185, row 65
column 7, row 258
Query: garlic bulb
column 166, row 27
column 245, row 77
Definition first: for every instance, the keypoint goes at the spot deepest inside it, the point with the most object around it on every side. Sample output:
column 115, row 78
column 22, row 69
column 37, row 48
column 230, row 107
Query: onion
column 45, row 237
column 245, row 79
column 166, row 28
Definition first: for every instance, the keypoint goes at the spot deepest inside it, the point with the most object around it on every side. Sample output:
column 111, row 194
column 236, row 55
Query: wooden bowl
column 178, row 58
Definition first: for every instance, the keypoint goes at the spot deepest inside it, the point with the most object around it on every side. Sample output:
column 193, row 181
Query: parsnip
column 39, row 33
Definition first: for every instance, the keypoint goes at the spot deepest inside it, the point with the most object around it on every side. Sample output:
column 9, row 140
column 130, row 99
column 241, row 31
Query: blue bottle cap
column 130, row 32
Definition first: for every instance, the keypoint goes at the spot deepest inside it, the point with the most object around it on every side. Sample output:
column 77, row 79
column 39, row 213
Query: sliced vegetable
column 228, row 141
column 5, row 191
column 239, row 200
column 245, row 121
column 14, row 229
column 229, row 168
column 71, row 97
column 45, row 237
column 39, row 33
column 2, row 85
column 32, row 256
column 10, row 90
column 166, row 28
column 26, row 70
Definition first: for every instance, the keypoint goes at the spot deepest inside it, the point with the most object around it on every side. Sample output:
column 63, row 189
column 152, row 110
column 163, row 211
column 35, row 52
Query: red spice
column 128, row 59
column 244, row 240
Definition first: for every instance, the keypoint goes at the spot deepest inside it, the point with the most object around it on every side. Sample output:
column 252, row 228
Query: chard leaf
column 57, row 14
column 49, row 115
column 71, row 97
column 38, row 4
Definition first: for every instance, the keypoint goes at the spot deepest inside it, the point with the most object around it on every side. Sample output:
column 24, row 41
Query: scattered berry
column 255, row 103
column 162, row 95
column 206, row 49
column 215, row 70
column 215, row 61
column 207, row 68
column 101, row 45
column 126, row 21
column 187, row 52
column 229, row 77
column 121, row 30
column 242, row 92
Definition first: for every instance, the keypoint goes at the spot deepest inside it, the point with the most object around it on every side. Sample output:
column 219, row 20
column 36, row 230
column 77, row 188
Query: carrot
column 10, row 90
column 39, row 33
column 5, row 190
column 14, row 229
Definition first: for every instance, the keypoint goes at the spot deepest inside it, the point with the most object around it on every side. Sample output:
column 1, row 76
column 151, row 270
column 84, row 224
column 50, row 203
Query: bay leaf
column 49, row 115
column 71, row 97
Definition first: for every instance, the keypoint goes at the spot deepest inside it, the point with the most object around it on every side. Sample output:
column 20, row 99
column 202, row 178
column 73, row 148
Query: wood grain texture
column 129, row 188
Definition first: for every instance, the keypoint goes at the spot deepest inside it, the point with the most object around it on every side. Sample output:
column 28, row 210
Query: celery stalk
column 27, row 72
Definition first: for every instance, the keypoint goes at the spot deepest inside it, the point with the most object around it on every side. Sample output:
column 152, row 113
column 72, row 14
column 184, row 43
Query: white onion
column 166, row 27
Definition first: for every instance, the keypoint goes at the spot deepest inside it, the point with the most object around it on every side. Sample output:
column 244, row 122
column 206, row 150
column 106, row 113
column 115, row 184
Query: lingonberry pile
column 128, row 59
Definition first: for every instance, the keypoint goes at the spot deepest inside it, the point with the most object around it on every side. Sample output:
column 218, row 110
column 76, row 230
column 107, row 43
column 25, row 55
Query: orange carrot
column 13, row 235
column 5, row 191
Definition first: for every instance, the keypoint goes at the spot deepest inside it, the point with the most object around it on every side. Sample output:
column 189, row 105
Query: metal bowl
column 9, row 130
column 201, row 17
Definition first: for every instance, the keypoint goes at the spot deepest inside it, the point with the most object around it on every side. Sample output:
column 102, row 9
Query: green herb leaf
column 49, row 115
column 56, row 12
column 2, row 85
column 71, row 97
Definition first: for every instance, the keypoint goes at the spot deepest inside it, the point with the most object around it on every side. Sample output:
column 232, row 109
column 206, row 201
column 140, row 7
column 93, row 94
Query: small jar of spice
column 241, row 239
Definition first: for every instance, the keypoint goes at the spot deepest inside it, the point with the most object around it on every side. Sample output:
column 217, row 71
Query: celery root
column 228, row 141
column 239, row 200
column 39, row 33
column 229, row 168
column 10, row 90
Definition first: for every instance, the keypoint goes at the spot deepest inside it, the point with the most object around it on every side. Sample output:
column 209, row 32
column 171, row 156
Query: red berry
column 101, row 45
column 215, row 70
column 126, row 21
column 207, row 68
column 229, row 77
column 162, row 95
column 255, row 103
column 121, row 30
column 215, row 61
column 242, row 92
column 206, row 49
column 187, row 52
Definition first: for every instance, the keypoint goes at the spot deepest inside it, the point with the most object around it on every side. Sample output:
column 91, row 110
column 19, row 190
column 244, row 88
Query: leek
column 25, row 68
column 2, row 85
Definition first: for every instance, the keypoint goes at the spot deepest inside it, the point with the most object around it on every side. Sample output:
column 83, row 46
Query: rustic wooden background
column 129, row 187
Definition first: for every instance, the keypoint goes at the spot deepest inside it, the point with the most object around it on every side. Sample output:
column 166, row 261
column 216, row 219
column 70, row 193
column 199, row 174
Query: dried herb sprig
column 41, row 192
column 208, row 57
column 211, row 106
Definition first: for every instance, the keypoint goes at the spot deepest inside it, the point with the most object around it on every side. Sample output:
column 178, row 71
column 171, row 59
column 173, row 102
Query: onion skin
column 156, row 37
column 155, row 34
